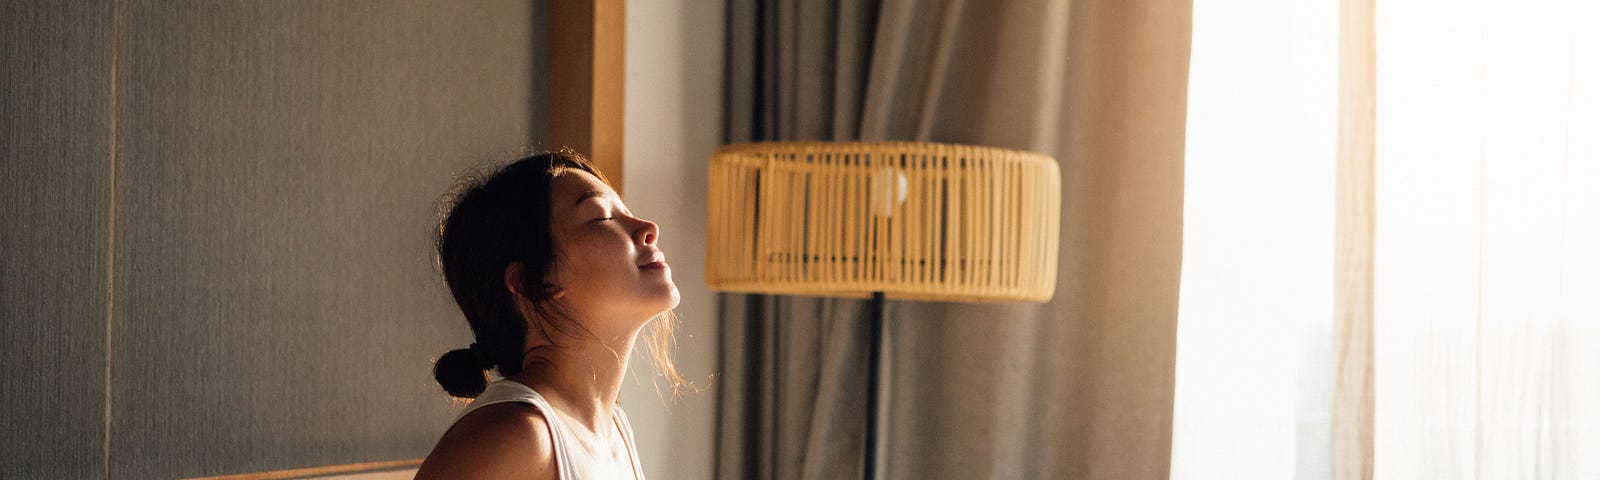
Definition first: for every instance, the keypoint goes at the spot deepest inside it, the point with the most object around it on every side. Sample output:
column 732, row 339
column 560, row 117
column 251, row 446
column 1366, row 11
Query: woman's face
column 608, row 265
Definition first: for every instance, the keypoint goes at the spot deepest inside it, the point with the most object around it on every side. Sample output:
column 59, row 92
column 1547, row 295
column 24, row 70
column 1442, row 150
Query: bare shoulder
column 504, row 440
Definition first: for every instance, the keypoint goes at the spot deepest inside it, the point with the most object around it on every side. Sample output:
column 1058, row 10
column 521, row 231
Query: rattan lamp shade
column 924, row 221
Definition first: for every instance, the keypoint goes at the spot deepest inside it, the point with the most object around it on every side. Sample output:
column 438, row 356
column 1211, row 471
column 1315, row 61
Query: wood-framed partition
column 585, row 78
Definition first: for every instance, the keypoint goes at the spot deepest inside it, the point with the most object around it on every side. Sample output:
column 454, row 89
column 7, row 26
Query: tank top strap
column 511, row 391
column 621, row 418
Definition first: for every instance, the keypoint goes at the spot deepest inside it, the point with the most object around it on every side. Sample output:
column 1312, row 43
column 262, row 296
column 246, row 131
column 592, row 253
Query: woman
column 556, row 278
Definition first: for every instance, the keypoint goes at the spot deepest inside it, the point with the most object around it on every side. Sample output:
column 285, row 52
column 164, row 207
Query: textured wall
column 54, row 168
column 274, row 302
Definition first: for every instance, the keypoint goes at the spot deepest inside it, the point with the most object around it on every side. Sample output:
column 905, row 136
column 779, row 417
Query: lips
column 655, row 261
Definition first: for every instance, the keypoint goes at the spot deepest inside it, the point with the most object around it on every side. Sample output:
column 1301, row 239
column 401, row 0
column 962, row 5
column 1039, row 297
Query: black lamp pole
column 874, row 361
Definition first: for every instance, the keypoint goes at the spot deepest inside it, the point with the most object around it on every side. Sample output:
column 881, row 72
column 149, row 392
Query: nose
column 648, row 232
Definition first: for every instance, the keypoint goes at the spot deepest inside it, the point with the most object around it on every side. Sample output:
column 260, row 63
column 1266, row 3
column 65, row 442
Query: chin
column 676, row 298
column 672, row 298
column 659, row 299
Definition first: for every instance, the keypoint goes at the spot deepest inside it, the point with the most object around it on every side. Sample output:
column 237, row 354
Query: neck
column 581, row 378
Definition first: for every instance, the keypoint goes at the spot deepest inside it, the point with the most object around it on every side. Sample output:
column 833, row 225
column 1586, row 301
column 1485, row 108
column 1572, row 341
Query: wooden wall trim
column 318, row 471
column 585, row 83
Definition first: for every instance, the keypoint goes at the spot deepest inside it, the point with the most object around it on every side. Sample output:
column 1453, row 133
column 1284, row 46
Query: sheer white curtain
column 1488, row 238
column 1477, row 210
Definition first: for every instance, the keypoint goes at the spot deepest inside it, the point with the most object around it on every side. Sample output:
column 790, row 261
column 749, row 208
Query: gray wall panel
column 278, row 306
column 54, row 172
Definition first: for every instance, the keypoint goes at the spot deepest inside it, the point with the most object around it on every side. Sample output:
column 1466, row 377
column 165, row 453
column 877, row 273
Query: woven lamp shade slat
column 923, row 221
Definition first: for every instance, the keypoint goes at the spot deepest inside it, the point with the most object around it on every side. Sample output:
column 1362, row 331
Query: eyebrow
column 588, row 195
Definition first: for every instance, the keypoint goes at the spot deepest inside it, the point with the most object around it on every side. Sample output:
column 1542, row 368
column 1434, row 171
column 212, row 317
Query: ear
column 513, row 282
column 513, row 279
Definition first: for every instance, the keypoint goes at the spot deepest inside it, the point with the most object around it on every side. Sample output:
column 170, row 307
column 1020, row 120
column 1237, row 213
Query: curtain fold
column 1351, row 415
column 790, row 394
column 1080, row 387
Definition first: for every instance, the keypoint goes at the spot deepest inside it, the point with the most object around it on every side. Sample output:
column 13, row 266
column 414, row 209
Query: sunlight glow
column 1253, row 369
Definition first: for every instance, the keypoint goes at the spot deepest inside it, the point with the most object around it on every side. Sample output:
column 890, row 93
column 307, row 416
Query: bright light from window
column 1253, row 370
column 1488, row 227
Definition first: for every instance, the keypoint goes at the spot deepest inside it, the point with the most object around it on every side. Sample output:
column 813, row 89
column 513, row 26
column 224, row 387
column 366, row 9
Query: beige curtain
column 1355, row 215
column 1080, row 387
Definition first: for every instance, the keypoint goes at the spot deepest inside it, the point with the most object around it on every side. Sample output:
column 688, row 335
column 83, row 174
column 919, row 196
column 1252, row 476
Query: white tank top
column 504, row 391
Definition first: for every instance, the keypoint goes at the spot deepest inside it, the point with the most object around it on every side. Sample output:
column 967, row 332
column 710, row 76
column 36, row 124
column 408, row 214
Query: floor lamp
column 901, row 220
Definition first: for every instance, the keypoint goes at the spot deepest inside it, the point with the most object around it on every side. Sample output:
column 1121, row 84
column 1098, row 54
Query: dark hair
column 492, row 222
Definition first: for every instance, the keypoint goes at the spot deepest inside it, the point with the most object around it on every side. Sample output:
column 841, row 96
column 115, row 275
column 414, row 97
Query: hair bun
column 481, row 354
column 461, row 372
